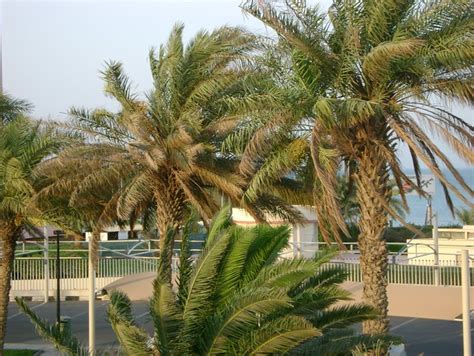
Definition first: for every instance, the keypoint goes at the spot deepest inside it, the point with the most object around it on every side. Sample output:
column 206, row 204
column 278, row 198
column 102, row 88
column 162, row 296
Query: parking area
column 422, row 336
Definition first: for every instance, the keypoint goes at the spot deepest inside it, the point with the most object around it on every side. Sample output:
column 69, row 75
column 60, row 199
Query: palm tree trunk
column 170, row 212
column 8, row 243
column 372, row 186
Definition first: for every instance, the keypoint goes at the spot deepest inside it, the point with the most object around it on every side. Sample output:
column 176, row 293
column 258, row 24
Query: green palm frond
column 343, row 316
column 280, row 335
column 344, row 341
column 11, row 107
column 118, row 85
column 234, row 263
column 133, row 340
column 66, row 344
column 286, row 274
column 166, row 317
column 185, row 257
column 243, row 313
column 264, row 250
column 202, row 280
column 465, row 216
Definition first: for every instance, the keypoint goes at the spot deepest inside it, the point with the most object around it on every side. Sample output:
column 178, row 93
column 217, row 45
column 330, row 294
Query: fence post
column 466, row 312
column 437, row 273
column 46, row 264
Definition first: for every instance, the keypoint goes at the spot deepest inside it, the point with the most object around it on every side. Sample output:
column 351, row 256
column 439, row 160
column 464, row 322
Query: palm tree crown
column 162, row 152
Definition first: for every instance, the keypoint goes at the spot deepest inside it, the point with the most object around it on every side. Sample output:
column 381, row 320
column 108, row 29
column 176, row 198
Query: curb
column 43, row 349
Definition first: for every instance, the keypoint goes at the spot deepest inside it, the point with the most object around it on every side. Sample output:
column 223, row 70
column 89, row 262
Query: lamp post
column 58, row 234
column 437, row 270
column 91, row 266
column 46, row 264
column 466, row 307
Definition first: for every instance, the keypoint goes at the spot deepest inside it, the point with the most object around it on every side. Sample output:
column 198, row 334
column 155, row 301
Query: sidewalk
column 418, row 301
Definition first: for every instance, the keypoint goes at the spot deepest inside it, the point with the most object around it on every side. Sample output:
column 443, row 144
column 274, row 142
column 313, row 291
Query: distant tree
column 11, row 107
column 465, row 216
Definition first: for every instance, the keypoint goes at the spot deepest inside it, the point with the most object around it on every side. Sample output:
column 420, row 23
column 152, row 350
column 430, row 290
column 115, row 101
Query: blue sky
column 53, row 50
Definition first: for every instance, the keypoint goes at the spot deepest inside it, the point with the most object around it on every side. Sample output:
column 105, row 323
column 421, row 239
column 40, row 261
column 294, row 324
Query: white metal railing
column 28, row 273
column 423, row 273
column 127, row 248
column 136, row 247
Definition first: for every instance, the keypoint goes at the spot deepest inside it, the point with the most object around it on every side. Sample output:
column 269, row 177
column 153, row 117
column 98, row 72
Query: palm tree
column 238, row 298
column 23, row 146
column 162, row 153
column 365, row 78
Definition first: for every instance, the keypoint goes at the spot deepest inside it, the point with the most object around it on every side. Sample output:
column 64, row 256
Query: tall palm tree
column 162, row 153
column 238, row 298
column 23, row 146
column 366, row 78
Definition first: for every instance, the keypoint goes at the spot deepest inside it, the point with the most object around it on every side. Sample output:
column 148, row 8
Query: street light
column 58, row 234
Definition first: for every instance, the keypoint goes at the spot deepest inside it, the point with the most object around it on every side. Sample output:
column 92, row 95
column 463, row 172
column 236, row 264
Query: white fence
column 28, row 274
column 28, row 277
column 423, row 273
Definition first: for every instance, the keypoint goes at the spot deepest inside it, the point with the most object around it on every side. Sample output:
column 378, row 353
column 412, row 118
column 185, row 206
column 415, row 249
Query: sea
column 418, row 206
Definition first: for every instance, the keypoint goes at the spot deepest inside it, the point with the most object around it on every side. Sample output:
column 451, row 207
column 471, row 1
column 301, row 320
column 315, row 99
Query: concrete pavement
column 418, row 301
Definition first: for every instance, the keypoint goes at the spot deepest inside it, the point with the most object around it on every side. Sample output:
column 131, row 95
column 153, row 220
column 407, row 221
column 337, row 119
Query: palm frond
column 66, row 344
column 166, row 316
column 132, row 339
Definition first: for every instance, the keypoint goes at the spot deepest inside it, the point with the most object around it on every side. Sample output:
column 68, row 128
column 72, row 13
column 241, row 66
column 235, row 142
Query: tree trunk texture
column 371, row 179
column 170, row 204
column 8, row 243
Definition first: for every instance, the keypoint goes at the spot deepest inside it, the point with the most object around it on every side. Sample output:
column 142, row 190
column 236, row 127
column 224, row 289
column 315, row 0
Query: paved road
column 422, row 336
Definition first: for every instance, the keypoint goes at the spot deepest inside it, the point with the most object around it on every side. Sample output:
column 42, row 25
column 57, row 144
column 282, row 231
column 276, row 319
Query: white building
column 450, row 244
column 304, row 236
column 116, row 232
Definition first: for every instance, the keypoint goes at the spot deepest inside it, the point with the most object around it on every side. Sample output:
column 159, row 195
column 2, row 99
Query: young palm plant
column 23, row 146
column 365, row 79
column 239, row 298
